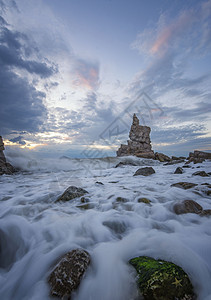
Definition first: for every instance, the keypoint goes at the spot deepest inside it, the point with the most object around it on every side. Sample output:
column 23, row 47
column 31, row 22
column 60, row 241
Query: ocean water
column 35, row 231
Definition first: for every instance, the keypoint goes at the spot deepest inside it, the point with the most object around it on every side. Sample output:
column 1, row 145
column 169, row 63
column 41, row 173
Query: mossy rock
column 162, row 280
column 144, row 200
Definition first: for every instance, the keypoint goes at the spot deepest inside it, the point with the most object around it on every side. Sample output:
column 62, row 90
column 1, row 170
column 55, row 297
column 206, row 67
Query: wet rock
column 139, row 143
column 178, row 170
column 186, row 166
column 187, row 206
column 98, row 182
column 200, row 173
column 206, row 213
column 86, row 206
column 121, row 199
column 184, row 185
column 159, row 279
column 162, row 157
column 174, row 162
column 5, row 167
column 117, row 227
column 68, row 273
column 71, row 193
column 145, row 171
column 125, row 163
column 84, row 200
column 144, row 200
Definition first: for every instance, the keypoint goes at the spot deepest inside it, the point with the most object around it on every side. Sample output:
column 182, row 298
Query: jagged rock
column 174, row 162
column 139, row 143
column 71, row 192
column 205, row 212
column 198, row 157
column 5, row 167
column 162, row 157
column 200, row 173
column 178, row 170
column 144, row 200
column 187, row 206
column 145, row 171
column 67, row 275
column 159, row 279
column 184, row 185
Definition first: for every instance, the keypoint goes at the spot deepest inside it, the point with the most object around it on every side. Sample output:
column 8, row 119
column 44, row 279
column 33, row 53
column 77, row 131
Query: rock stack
column 5, row 167
column 139, row 144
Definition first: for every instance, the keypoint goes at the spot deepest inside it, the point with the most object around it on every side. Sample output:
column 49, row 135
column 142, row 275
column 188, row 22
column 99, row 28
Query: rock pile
column 5, row 167
column 139, row 143
column 198, row 156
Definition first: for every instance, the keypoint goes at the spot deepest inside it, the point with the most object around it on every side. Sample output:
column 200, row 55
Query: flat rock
column 70, row 193
column 200, row 173
column 145, row 171
column 184, row 185
column 178, row 170
column 162, row 280
column 68, row 273
column 187, row 206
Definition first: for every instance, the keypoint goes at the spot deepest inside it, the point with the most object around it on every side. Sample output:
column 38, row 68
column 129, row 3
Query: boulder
column 162, row 157
column 145, row 171
column 139, row 143
column 70, row 193
column 68, row 273
column 5, row 167
column 200, row 173
column 184, row 185
column 178, row 170
column 121, row 199
column 187, row 206
column 159, row 279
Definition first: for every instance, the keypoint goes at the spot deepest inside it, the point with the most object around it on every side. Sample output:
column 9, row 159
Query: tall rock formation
column 5, row 167
column 139, row 143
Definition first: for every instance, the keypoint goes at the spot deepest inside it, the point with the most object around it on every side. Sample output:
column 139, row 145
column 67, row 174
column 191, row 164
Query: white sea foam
column 35, row 231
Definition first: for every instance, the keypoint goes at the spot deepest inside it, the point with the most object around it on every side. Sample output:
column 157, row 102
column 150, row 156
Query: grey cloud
column 19, row 140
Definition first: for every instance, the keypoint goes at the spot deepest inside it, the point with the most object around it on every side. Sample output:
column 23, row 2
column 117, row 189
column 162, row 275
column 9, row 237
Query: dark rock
column 144, row 200
column 125, row 163
column 200, row 173
column 174, row 162
column 159, row 279
column 206, row 213
column 187, row 206
column 86, row 206
column 184, row 185
column 71, row 193
column 84, row 200
column 162, row 157
column 139, row 143
column 198, row 156
column 67, row 275
column 98, row 182
column 5, row 167
column 178, row 170
column 186, row 166
column 175, row 158
column 145, row 171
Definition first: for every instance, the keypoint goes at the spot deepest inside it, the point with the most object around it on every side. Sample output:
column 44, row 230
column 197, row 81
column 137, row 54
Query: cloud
column 21, row 104
column 86, row 74
column 19, row 140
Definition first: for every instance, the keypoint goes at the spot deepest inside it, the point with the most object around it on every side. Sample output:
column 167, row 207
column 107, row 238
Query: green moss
column 161, row 280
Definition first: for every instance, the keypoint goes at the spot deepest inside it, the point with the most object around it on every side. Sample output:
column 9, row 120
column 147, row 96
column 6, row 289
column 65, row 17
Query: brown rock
column 67, row 275
column 184, row 185
column 200, row 173
column 187, row 206
column 139, row 144
column 162, row 157
column 206, row 213
column 145, row 171
column 178, row 170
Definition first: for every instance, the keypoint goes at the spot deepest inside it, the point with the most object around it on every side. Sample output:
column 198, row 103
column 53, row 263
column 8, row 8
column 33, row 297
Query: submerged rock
column 187, row 206
column 162, row 280
column 67, row 275
column 184, row 185
column 200, row 173
column 178, row 170
column 145, row 171
column 70, row 193
column 125, row 163
column 121, row 199
column 144, row 200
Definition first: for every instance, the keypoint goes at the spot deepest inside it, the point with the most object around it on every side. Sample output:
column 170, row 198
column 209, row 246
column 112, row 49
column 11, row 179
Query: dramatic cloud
column 21, row 104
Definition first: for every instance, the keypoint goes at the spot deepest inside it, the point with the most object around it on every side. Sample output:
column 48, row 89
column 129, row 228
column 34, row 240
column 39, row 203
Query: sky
column 73, row 72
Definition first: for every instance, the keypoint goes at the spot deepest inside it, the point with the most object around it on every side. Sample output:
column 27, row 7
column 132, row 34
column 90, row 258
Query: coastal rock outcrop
column 5, row 167
column 159, row 279
column 139, row 144
column 67, row 275
column 198, row 156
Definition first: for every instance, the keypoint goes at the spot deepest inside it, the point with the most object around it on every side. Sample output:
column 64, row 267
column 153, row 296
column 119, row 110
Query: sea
column 35, row 230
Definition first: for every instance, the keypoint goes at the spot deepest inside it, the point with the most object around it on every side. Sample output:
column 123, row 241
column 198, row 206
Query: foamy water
column 35, row 231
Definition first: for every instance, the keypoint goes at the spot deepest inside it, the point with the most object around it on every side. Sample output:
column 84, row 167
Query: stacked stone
column 139, row 143
column 5, row 167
